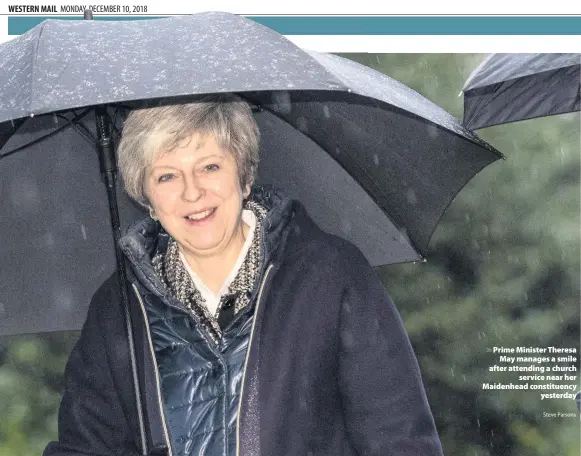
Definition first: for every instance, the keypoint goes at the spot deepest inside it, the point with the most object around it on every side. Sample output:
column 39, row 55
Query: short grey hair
column 150, row 131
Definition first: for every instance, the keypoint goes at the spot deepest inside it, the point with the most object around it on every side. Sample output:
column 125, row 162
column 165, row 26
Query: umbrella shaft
column 105, row 142
column 110, row 183
column 109, row 177
column 108, row 165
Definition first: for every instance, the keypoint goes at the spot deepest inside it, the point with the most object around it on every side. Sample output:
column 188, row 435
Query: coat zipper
column 157, row 386
column 136, row 385
column 247, row 356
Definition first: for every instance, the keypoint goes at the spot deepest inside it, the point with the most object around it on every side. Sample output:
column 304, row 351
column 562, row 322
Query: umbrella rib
column 486, row 165
column 485, row 90
column 363, row 185
column 48, row 135
column 371, row 188
column 82, row 129
column 34, row 54
column 476, row 70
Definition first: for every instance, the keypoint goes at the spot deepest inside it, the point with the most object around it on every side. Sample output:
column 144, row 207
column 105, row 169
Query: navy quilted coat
column 321, row 366
column 200, row 380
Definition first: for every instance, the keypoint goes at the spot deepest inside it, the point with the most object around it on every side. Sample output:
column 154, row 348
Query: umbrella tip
column 88, row 15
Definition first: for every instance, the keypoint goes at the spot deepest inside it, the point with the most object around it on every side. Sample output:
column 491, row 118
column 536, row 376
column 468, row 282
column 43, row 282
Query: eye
column 165, row 177
column 211, row 167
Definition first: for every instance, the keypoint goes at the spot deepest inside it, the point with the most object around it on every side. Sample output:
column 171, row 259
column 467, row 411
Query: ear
column 246, row 191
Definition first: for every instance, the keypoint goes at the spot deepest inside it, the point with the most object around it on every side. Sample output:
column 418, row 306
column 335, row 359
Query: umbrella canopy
column 61, row 64
column 512, row 87
column 372, row 160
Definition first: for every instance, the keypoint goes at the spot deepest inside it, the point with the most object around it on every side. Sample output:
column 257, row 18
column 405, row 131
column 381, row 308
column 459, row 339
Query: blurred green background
column 503, row 270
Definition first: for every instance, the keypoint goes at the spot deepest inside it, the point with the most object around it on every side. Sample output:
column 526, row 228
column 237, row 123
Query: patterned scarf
column 171, row 270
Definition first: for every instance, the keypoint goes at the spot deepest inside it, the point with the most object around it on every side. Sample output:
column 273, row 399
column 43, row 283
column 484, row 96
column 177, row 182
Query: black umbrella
column 372, row 160
column 512, row 87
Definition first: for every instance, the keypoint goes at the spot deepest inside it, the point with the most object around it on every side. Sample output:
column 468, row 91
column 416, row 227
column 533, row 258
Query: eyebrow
column 210, row 156
column 201, row 159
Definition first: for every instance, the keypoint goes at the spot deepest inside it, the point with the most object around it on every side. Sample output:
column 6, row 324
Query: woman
column 254, row 332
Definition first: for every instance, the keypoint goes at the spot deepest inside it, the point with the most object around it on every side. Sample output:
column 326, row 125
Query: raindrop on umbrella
column 433, row 131
column 63, row 298
column 282, row 102
column 302, row 124
column 49, row 239
column 25, row 195
column 346, row 226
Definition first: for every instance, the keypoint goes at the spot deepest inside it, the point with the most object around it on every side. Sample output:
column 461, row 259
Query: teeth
column 200, row 215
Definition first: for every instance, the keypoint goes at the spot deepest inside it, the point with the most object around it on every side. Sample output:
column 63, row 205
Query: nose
column 193, row 189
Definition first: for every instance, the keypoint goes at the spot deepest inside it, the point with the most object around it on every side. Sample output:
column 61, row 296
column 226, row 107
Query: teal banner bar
column 376, row 25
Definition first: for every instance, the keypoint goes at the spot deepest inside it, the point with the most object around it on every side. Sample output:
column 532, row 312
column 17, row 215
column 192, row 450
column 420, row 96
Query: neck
column 214, row 269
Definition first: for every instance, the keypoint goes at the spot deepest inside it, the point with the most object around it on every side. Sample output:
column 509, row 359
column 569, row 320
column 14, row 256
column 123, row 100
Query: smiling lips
column 201, row 216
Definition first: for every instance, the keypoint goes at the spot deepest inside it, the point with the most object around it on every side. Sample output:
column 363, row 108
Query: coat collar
column 146, row 237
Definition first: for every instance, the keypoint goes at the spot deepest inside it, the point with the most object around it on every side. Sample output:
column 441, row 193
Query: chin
column 209, row 245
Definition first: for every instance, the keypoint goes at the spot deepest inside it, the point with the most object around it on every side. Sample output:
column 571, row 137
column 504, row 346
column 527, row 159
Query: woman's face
column 196, row 195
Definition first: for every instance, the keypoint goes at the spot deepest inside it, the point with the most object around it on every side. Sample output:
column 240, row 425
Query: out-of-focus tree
column 503, row 270
column 31, row 382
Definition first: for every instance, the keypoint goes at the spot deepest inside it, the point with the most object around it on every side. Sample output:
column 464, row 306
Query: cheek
column 162, row 202
column 226, row 188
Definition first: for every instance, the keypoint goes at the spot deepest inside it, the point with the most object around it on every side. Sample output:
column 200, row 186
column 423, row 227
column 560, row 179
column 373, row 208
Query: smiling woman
column 256, row 333
column 195, row 193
